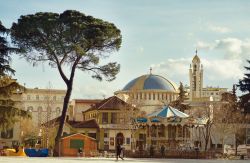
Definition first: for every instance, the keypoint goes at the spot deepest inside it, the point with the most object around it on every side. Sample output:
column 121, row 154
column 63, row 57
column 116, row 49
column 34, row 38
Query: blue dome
column 149, row 82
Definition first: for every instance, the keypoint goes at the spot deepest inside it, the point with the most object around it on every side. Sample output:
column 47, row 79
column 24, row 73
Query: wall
column 90, row 146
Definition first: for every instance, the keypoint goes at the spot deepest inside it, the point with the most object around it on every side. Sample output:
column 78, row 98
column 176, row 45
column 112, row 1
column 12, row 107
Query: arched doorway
column 119, row 138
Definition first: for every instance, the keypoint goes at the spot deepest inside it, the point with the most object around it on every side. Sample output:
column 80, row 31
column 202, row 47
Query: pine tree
column 5, row 50
column 9, row 112
column 178, row 104
column 244, row 84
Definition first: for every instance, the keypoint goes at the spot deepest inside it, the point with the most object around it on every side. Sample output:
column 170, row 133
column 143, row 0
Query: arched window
column 40, row 109
column 30, row 109
column 58, row 111
column 161, row 130
column 153, row 131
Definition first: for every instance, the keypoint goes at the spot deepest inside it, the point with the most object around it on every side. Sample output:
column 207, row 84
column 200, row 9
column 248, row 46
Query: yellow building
column 113, row 116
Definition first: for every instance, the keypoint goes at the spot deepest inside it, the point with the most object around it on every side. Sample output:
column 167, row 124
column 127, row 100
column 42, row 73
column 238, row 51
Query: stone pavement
column 107, row 160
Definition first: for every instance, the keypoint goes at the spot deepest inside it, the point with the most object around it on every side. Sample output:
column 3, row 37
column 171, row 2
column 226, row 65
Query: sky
column 162, row 34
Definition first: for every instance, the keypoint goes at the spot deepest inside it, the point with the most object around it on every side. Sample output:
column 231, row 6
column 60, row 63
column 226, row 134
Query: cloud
column 140, row 50
column 93, row 91
column 233, row 48
column 203, row 45
column 222, row 69
column 218, row 29
column 215, row 71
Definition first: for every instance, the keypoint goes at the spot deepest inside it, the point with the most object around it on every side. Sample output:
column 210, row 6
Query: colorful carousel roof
column 168, row 112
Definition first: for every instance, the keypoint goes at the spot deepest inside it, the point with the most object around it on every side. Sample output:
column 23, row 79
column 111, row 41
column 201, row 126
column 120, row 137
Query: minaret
column 196, row 77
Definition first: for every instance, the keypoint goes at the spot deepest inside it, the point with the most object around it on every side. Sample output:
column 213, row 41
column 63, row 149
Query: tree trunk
column 62, row 119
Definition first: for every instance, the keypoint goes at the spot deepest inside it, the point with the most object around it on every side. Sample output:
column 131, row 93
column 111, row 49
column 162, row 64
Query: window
column 127, row 140
column 153, row 131
column 179, row 131
column 104, row 117
column 149, row 96
column 92, row 135
column 30, row 109
column 76, row 144
column 114, row 118
column 28, row 97
column 142, row 137
column 145, row 96
column 105, row 134
column 161, row 131
column 37, row 97
column 58, row 111
column 153, row 96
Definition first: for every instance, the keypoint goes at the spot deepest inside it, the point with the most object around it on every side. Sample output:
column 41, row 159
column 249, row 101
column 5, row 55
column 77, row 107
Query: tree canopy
column 9, row 109
column 5, row 51
column 244, row 84
column 68, row 39
column 178, row 104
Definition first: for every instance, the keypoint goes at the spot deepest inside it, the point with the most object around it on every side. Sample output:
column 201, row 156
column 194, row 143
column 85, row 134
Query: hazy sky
column 162, row 34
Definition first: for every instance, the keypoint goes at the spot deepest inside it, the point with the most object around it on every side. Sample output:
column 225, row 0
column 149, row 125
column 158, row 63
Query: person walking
column 118, row 151
column 162, row 151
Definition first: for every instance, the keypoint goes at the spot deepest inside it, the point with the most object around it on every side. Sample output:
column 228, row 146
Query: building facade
column 43, row 104
column 77, row 106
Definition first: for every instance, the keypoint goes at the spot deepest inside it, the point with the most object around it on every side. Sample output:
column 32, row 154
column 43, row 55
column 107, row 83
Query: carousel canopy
column 141, row 120
column 168, row 112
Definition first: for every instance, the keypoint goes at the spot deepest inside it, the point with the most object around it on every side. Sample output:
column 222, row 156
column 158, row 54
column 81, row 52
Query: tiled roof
column 52, row 121
column 113, row 103
column 86, row 124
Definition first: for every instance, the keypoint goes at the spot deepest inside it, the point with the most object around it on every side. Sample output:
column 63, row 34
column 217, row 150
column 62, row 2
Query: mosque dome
column 151, row 82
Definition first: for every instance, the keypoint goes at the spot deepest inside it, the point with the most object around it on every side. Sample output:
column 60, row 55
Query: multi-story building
column 43, row 104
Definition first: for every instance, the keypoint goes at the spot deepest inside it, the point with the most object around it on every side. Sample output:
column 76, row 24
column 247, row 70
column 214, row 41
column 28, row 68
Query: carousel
column 168, row 127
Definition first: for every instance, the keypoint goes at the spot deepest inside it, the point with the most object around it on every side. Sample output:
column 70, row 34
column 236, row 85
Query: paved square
column 107, row 160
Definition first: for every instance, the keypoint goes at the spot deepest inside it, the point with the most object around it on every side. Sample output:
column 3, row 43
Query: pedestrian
column 162, row 151
column 151, row 150
column 80, row 152
column 118, row 151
